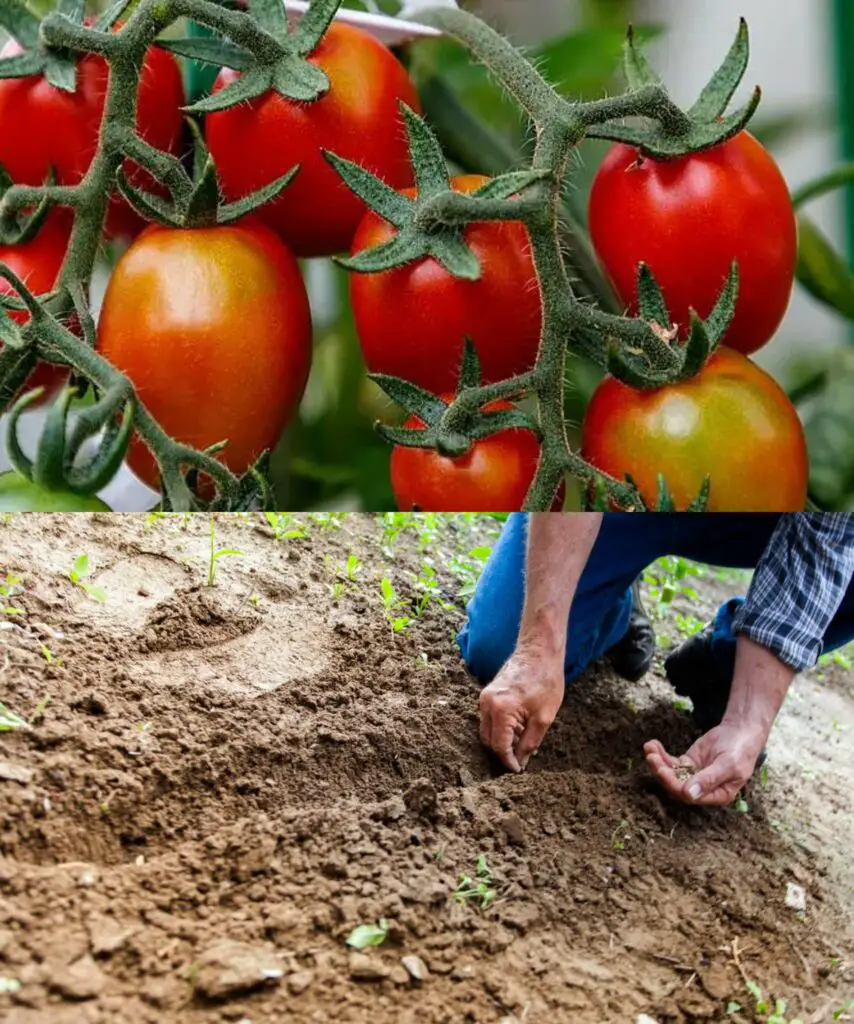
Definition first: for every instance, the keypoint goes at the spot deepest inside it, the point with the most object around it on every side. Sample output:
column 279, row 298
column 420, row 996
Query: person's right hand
column 519, row 705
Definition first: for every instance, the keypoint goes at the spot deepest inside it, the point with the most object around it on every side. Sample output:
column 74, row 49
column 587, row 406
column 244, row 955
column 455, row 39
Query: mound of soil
column 226, row 781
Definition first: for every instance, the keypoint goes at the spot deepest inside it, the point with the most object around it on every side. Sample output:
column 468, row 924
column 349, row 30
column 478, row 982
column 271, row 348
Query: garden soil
column 227, row 780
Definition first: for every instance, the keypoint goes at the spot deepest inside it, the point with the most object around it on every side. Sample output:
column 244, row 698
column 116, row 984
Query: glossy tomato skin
column 412, row 321
column 688, row 219
column 38, row 263
column 42, row 127
column 359, row 118
column 18, row 494
column 495, row 475
column 732, row 422
column 213, row 327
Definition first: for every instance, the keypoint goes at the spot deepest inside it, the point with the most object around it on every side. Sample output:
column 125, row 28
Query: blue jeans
column 626, row 545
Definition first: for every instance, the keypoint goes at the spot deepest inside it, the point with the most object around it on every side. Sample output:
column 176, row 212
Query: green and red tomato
column 212, row 326
column 732, row 422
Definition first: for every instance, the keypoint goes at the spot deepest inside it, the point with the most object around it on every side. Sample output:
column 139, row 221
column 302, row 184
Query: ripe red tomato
column 213, row 327
column 358, row 118
column 412, row 321
column 731, row 422
column 495, row 474
column 42, row 127
column 688, row 219
column 38, row 263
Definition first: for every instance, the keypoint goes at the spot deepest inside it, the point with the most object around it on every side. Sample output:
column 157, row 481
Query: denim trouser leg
column 626, row 545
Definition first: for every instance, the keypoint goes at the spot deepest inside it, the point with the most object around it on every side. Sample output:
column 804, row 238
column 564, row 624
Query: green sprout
column 478, row 890
column 8, row 589
column 217, row 553
column 78, row 573
column 620, row 835
column 9, row 721
column 367, row 935
column 286, row 526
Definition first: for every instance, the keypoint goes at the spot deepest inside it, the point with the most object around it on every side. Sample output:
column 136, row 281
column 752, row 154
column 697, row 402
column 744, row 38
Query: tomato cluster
column 689, row 219
column 212, row 323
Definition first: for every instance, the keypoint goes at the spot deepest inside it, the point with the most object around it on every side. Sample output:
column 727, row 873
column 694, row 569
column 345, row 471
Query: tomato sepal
column 431, row 225
column 57, row 64
column 279, row 61
column 671, row 133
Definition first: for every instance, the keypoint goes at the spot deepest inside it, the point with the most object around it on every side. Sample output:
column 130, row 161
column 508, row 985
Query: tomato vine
column 640, row 351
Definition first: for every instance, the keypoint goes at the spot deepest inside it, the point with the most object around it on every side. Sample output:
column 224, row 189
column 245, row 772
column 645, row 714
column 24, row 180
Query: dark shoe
column 694, row 673
column 632, row 657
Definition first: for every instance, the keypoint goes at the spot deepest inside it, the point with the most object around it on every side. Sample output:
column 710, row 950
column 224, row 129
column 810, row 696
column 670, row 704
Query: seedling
column 367, row 935
column 336, row 590
column 773, row 1014
column 478, row 889
column 681, row 704
column 741, row 805
column 50, row 657
column 354, row 567
column 843, row 1011
column 9, row 985
column 255, row 600
column 9, row 721
column 40, row 708
column 620, row 835
column 216, row 554
column 391, row 602
column 78, row 573
column 285, row 526
column 8, row 589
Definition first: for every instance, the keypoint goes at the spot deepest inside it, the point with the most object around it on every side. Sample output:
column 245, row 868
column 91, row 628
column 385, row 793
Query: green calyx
column 58, row 465
column 668, row 132
column 280, row 65
column 194, row 202
column 432, row 224
column 38, row 57
column 19, row 226
column 449, row 429
column 677, row 361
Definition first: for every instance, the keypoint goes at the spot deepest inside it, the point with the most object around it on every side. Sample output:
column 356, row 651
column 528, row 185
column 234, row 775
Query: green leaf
column 253, row 83
column 410, row 397
column 651, row 304
column 271, row 16
column 96, row 593
column 9, row 721
column 387, row 202
column 230, row 212
column 21, row 65
column 296, row 79
column 456, row 256
column 839, row 177
column 714, row 99
column 313, row 24
column 829, row 429
column 822, row 271
column 638, row 71
column 582, row 63
column 470, row 374
column 428, row 159
column 20, row 23
column 61, row 71
column 208, row 50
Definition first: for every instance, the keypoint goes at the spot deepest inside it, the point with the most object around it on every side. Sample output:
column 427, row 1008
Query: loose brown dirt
column 226, row 781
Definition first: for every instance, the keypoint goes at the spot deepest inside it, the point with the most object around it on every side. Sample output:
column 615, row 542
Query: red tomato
column 213, row 327
column 38, row 263
column 495, row 474
column 412, row 321
column 42, row 127
column 358, row 118
column 731, row 422
column 688, row 219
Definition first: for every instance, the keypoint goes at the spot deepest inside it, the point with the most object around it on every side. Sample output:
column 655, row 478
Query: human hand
column 520, row 704
column 721, row 763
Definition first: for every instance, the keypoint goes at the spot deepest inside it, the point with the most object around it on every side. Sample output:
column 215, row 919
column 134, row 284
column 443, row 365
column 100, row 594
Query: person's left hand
column 724, row 760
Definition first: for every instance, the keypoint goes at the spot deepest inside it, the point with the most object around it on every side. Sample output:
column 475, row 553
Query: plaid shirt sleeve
column 799, row 585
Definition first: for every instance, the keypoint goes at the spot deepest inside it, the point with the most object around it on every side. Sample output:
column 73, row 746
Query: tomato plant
column 688, row 219
column 44, row 129
column 212, row 326
column 17, row 494
column 732, row 422
column 256, row 142
column 412, row 320
column 493, row 476
column 38, row 261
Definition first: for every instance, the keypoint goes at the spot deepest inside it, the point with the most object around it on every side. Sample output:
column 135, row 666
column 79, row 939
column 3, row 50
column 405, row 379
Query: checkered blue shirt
column 799, row 585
